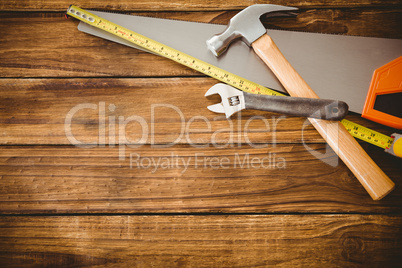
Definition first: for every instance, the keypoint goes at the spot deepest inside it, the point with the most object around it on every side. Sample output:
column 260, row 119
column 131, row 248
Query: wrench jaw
column 216, row 108
column 225, row 107
column 232, row 99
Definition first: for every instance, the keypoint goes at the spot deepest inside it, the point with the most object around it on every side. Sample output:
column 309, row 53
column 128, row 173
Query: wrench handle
column 373, row 179
column 306, row 107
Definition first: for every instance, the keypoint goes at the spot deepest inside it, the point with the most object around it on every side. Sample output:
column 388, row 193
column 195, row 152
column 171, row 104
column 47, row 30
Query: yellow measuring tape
column 236, row 81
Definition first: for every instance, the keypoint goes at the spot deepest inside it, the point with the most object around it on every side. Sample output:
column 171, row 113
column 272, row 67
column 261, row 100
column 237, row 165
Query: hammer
column 247, row 26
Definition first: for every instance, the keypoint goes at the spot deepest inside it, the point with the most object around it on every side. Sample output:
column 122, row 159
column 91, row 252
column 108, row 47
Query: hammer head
column 247, row 26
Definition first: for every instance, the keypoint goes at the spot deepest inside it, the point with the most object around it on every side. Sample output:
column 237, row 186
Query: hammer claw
column 247, row 26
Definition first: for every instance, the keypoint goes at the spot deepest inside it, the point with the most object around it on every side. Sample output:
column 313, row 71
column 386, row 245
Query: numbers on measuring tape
column 354, row 129
column 367, row 134
column 165, row 51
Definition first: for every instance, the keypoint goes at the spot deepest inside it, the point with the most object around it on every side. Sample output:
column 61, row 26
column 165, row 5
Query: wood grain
column 202, row 241
column 182, row 5
column 47, row 45
column 182, row 178
column 62, row 205
column 34, row 111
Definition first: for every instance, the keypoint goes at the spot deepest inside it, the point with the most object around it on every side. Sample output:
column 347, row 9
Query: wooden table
column 244, row 192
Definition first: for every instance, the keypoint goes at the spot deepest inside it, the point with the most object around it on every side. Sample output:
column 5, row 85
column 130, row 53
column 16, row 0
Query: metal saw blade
column 335, row 66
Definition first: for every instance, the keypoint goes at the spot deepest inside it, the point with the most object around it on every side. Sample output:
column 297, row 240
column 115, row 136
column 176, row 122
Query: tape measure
column 236, row 81
column 168, row 52
column 367, row 134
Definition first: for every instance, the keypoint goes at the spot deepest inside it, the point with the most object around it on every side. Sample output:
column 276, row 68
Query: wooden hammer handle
column 374, row 180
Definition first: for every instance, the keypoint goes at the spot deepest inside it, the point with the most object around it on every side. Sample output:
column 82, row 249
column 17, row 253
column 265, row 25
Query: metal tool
column 234, row 100
column 337, row 66
column 180, row 34
column 129, row 36
column 340, row 56
column 247, row 26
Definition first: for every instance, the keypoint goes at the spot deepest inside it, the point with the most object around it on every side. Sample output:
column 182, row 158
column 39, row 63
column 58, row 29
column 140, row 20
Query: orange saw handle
column 386, row 80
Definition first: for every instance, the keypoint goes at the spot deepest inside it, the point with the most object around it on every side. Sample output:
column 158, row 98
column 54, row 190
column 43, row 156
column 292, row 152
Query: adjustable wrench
column 234, row 100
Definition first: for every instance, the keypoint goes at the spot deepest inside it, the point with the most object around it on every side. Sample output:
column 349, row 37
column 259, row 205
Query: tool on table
column 247, row 26
column 345, row 62
column 329, row 57
column 234, row 100
column 337, row 66
column 166, row 51
column 385, row 89
column 127, row 36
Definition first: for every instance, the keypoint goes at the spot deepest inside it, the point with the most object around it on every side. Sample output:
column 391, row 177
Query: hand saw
column 354, row 129
column 337, row 67
column 383, row 185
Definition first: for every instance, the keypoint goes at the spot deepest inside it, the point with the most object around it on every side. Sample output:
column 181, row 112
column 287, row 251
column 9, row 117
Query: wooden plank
column 166, row 5
column 136, row 111
column 53, row 47
column 285, row 178
column 73, row 181
column 202, row 241
column 46, row 45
